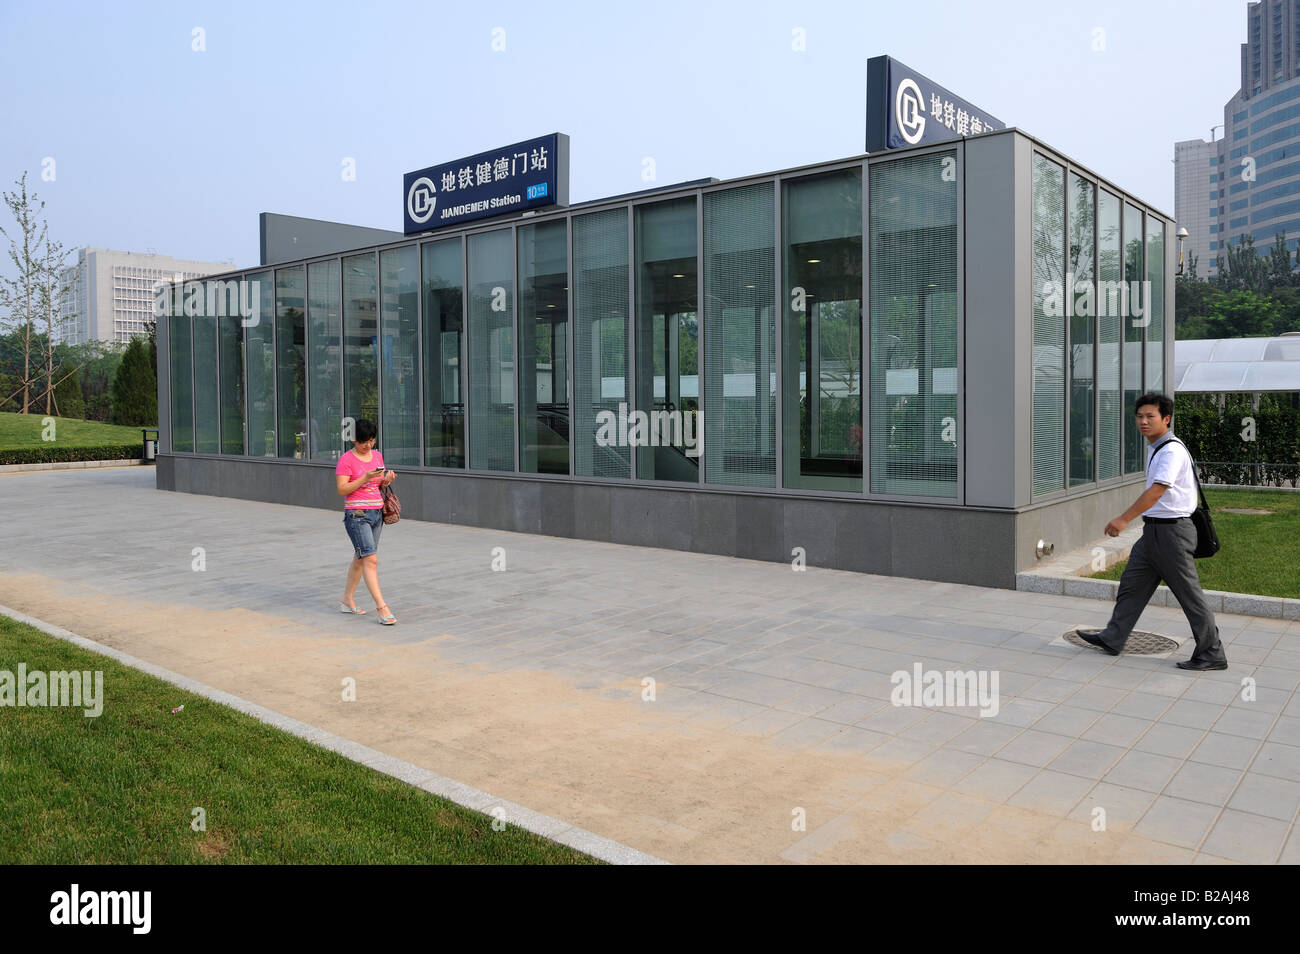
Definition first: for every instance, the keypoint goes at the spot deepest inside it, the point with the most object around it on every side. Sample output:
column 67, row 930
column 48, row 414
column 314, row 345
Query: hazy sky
column 160, row 147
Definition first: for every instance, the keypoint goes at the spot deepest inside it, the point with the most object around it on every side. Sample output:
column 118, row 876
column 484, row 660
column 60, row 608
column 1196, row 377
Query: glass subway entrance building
column 915, row 363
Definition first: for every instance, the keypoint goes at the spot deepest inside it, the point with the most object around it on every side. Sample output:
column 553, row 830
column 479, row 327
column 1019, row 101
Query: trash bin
column 150, row 443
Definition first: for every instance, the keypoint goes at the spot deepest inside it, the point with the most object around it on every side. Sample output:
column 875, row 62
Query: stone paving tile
column 984, row 737
column 1175, row 741
column 1068, row 720
column 1034, row 747
column 1089, row 759
column 1245, row 722
column 944, row 767
column 1143, row 770
column 1177, row 821
column 1052, row 792
column 1250, row 839
column 1278, row 760
column 1116, row 730
column 996, row 780
column 1263, row 795
column 807, row 733
column 1198, row 782
column 1122, row 806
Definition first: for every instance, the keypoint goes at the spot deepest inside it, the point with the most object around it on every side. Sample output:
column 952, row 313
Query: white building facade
column 108, row 295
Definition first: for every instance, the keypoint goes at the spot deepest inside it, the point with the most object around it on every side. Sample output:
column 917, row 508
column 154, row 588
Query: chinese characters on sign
column 906, row 108
column 511, row 179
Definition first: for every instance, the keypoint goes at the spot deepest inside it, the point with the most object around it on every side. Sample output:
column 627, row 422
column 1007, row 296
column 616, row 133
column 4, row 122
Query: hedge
column 54, row 453
column 1215, row 440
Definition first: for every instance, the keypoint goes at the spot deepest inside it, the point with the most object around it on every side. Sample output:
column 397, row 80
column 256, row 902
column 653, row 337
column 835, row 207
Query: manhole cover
column 1247, row 510
column 1139, row 643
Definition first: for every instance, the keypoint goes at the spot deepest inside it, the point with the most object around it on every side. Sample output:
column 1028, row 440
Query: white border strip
column 550, row 828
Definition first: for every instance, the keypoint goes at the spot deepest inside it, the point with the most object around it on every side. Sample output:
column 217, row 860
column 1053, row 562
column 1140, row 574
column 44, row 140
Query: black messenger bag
column 1207, row 541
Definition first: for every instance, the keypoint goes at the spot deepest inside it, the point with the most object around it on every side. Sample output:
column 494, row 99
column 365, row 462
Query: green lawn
column 1258, row 554
column 24, row 430
column 121, row 788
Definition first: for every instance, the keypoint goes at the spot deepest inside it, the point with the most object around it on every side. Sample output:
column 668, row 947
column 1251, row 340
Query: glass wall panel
column 261, row 367
column 360, row 342
column 1082, row 298
column 491, row 351
column 180, row 346
column 325, row 367
column 444, row 405
column 290, row 364
column 230, row 350
column 740, row 336
column 600, row 353
column 668, row 335
column 1134, row 331
column 399, row 318
column 206, row 432
column 1110, row 324
column 1155, row 378
column 913, row 287
column 1049, row 326
column 821, row 224
column 543, row 348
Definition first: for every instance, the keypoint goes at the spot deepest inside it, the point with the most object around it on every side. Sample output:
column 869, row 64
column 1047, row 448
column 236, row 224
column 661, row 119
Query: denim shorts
column 363, row 528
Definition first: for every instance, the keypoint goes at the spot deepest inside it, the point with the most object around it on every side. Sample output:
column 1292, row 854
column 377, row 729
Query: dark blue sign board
column 503, row 181
column 905, row 108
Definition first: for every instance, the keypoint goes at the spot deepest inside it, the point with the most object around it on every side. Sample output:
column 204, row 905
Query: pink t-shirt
column 367, row 496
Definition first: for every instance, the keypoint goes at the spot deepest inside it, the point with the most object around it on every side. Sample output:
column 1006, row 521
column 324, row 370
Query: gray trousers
column 1164, row 553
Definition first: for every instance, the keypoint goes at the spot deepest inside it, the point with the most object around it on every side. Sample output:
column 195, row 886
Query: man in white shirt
column 1168, row 540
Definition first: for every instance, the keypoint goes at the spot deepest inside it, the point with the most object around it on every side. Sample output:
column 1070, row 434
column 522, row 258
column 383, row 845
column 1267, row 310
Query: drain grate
column 1139, row 644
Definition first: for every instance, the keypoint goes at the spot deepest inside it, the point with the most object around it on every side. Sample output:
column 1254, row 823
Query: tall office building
column 1250, row 179
column 1195, row 161
column 109, row 295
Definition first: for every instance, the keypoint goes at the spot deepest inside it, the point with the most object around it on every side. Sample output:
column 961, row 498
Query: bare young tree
column 20, row 295
column 49, row 293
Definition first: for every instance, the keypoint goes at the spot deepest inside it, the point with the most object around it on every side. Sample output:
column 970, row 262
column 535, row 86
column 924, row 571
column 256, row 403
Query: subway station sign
column 507, row 180
column 906, row 108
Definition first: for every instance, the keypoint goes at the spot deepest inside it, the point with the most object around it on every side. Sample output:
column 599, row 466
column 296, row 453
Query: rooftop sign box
column 905, row 108
column 513, row 178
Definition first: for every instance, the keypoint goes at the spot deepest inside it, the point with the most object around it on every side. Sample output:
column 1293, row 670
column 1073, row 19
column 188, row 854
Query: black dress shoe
column 1197, row 665
column 1093, row 638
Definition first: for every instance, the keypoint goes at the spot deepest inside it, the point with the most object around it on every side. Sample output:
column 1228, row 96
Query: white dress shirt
column 1173, row 468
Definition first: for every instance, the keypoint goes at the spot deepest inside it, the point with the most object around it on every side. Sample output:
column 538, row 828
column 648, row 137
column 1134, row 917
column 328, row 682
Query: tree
column 68, row 400
column 135, row 388
column 19, row 295
column 1244, row 269
column 1279, row 262
column 49, row 292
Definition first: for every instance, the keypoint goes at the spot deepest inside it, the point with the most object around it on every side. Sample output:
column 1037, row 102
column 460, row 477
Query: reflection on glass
column 1155, row 378
column 821, row 219
column 1083, row 235
column 668, row 337
column 291, row 368
column 543, row 349
column 399, row 268
column 740, row 336
column 913, row 288
column 1110, row 322
column 1134, row 332
column 361, row 343
column 600, row 346
column 491, row 351
column 326, row 365
column 444, row 407
column 206, row 436
column 230, row 349
column 1049, row 326
column 261, row 368
column 179, row 345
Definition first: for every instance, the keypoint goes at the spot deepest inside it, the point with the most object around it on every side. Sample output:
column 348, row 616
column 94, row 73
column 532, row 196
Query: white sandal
column 351, row 610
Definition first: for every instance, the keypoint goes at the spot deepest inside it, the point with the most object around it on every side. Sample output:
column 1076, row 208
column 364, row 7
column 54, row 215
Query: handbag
column 1207, row 540
column 392, row 506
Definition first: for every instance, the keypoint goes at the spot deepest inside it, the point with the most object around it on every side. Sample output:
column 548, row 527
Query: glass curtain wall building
column 956, row 329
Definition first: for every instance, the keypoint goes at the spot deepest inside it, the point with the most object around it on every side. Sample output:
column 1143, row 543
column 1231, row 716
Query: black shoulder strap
column 1200, row 494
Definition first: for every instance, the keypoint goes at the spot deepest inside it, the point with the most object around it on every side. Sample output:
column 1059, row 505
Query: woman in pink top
column 360, row 474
